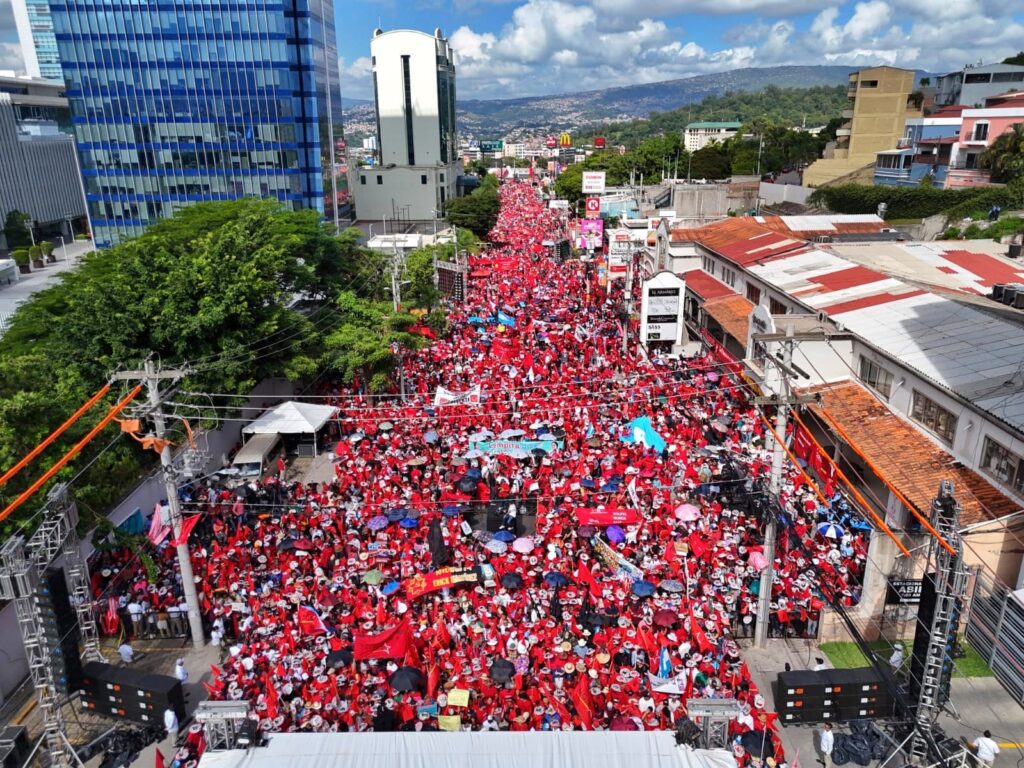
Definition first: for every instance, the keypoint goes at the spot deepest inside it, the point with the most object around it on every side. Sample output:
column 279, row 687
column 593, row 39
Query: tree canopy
column 477, row 211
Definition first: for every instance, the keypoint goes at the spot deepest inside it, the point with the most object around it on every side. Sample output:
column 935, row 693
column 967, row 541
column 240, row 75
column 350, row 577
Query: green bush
column 20, row 256
column 47, row 247
column 909, row 202
column 35, row 252
column 951, row 233
column 80, row 238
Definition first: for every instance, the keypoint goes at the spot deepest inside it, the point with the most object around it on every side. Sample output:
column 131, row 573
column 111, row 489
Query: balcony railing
column 904, row 142
column 926, row 159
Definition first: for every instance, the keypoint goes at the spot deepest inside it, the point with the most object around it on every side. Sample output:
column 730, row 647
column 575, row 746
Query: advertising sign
column 661, row 313
column 551, row 142
column 565, row 140
column 592, row 227
column 599, row 142
column 593, row 182
column 492, row 146
column 619, row 250
column 558, row 205
column 903, row 592
column 593, row 207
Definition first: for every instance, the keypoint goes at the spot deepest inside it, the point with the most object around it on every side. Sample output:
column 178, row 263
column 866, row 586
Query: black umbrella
column 502, row 671
column 286, row 545
column 339, row 659
column 512, row 581
column 467, row 485
column 406, row 679
column 440, row 554
column 758, row 744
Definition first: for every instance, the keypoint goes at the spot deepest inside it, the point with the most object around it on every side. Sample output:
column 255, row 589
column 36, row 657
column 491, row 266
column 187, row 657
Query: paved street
column 12, row 296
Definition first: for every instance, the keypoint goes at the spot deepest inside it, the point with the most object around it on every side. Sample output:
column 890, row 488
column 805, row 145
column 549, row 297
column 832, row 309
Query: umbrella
column 451, row 510
column 615, row 534
column 408, row 522
column 419, row 461
column 712, row 376
column 473, row 453
column 687, row 513
column 431, row 437
column 502, row 671
column 385, row 426
column 610, row 487
column 339, row 659
column 595, row 442
column 391, row 587
column 377, row 523
column 758, row 744
column 830, row 531
column 373, row 577
column 483, row 434
column 719, row 426
column 473, row 472
column 458, row 462
column 304, row 544
column 588, row 482
column 483, row 536
column 497, row 547
column 757, row 560
column 623, row 723
column 586, row 531
column 523, row 545
column 512, row 581
column 665, row 618
column 671, row 585
column 396, row 514
column 406, row 679
column 643, row 589
column 556, row 579
column 506, row 536
column 467, row 485
column 509, row 433
column 286, row 545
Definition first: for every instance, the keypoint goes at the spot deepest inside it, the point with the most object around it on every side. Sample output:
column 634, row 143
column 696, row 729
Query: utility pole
column 152, row 378
column 782, row 403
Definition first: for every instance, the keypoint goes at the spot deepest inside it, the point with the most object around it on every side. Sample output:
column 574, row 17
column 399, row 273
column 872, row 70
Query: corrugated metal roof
column 705, row 286
column 733, row 314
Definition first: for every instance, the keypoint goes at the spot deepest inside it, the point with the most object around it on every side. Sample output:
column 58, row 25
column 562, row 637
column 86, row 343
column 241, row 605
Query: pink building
column 980, row 128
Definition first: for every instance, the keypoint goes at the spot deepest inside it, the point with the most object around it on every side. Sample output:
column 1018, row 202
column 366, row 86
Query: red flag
column 646, row 641
column 585, row 576
column 697, row 633
column 412, row 658
column 309, row 621
column 272, row 697
column 442, row 637
column 216, row 671
column 433, row 680
column 211, row 690
column 581, row 700
column 157, row 530
column 187, row 524
column 389, row 644
column 159, row 759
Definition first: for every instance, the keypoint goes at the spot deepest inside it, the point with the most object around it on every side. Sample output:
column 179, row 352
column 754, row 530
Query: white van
column 257, row 456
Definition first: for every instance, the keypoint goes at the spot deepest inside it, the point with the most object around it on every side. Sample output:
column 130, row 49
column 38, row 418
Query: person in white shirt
column 127, row 652
column 827, row 742
column 180, row 672
column 985, row 749
column 896, row 660
column 171, row 724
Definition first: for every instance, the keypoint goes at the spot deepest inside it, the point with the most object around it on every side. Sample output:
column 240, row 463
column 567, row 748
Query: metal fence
column 995, row 629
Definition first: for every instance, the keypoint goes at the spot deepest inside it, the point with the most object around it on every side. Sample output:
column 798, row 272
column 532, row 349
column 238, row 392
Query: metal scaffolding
column 22, row 568
column 950, row 579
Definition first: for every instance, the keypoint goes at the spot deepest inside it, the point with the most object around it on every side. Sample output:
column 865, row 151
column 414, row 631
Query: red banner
column 389, row 644
column 607, row 516
column 442, row 578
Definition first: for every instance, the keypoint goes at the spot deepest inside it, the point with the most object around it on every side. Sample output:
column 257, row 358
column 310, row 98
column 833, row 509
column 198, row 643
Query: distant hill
column 495, row 118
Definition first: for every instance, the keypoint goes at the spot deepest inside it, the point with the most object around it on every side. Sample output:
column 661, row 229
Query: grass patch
column 848, row 656
column 902, row 221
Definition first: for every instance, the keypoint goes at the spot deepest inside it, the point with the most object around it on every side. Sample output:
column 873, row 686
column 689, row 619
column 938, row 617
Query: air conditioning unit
column 1018, row 300
column 1010, row 293
column 997, row 292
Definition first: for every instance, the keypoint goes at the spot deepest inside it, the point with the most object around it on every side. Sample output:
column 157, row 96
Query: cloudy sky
column 527, row 47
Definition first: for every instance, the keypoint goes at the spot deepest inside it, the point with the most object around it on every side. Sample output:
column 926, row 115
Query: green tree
column 419, row 272
column 478, row 211
column 710, row 162
column 16, row 230
column 1017, row 59
column 1005, row 157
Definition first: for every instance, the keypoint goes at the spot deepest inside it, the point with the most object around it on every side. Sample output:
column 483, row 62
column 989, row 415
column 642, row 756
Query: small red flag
column 159, row 762
column 309, row 621
column 389, row 644
column 187, row 524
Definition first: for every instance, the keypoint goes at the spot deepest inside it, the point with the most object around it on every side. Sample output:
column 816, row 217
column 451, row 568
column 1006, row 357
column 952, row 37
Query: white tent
column 292, row 418
column 502, row 749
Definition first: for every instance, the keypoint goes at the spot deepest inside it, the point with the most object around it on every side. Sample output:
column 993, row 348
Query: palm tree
column 1005, row 157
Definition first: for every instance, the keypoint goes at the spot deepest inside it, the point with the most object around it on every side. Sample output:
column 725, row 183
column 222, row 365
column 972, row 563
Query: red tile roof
column 705, row 286
column 906, row 459
column 733, row 314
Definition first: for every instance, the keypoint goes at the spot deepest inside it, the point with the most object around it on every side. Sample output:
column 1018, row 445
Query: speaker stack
column 15, row 747
column 831, row 695
column 60, row 624
column 127, row 694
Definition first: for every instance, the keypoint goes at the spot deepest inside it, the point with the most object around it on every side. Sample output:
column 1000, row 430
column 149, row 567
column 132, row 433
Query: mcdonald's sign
column 565, row 140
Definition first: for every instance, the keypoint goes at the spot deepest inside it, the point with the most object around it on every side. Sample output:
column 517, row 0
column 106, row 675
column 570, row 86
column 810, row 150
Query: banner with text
column 514, row 447
column 606, row 516
column 442, row 578
column 447, row 397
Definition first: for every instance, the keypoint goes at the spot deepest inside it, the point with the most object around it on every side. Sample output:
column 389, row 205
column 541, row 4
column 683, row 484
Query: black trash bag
column 840, row 756
column 880, row 750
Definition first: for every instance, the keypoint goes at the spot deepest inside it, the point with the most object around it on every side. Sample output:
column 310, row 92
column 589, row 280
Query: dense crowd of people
column 550, row 533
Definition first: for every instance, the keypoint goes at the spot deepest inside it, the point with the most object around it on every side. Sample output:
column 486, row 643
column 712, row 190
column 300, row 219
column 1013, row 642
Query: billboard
column 551, row 142
column 592, row 227
column 599, row 142
column 620, row 250
column 661, row 313
column 593, row 182
column 558, row 205
column 492, row 146
column 593, row 207
column 565, row 140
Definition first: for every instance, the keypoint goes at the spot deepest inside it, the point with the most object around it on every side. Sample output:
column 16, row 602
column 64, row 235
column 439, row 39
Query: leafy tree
column 419, row 272
column 711, row 162
column 478, row 211
column 1017, row 59
column 16, row 229
column 1005, row 157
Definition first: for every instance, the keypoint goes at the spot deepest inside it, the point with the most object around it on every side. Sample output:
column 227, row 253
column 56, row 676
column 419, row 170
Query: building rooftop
column 905, row 458
column 712, row 124
column 705, row 286
column 732, row 313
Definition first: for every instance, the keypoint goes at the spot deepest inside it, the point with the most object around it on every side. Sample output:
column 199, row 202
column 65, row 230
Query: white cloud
column 10, row 57
column 634, row 9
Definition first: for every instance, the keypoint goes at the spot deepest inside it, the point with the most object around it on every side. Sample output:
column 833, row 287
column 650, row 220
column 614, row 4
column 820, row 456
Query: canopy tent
column 501, row 749
column 292, row 418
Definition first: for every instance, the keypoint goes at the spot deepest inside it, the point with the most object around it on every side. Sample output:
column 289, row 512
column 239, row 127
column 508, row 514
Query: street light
column 30, row 226
column 63, row 247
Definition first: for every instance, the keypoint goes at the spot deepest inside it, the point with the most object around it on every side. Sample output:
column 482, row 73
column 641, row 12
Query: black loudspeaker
column 125, row 693
column 60, row 626
column 922, row 634
column 14, row 746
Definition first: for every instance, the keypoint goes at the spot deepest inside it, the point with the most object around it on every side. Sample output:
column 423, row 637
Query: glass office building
column 181, row 101
column 35, row 34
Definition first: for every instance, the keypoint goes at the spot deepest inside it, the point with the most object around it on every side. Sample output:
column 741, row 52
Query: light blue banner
column 514, row 447
column 642, row 431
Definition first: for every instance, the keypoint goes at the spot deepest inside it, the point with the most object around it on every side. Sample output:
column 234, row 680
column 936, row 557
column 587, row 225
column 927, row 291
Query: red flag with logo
column 389, row 644
column 187, row 524
column 309, row 621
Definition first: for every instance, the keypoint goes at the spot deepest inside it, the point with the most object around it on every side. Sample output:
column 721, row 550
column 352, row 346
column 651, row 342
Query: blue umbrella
column 452, row 510
column 377, row 523
column 643, row 589
column 391, row 587
column 610, row 488
column 588, row 482
column 556, row 579
column 413, row 514
column 474, row 320
column 615, row 534
column 430, row 437
column 409, row 523
column 830, row 531
column 506, row 536
column 396, row 514
column 473, row 472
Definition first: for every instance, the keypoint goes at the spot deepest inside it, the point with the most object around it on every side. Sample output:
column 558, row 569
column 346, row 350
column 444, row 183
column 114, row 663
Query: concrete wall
column 774, row 194
column 401, row 191
column 709, row 202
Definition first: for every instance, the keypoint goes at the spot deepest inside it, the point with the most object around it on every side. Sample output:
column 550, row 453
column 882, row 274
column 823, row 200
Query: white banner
column 593, row 182
column 447, row 397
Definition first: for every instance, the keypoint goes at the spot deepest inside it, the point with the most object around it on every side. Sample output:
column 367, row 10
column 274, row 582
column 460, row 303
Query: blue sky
column 528, row 47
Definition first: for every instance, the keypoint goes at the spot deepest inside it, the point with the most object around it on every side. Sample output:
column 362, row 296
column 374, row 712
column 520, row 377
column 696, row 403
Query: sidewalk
column 13, row 296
